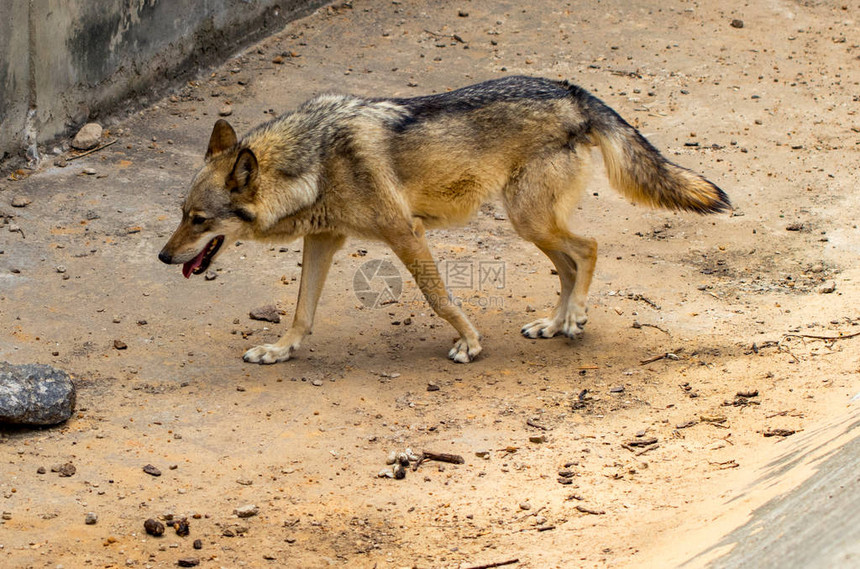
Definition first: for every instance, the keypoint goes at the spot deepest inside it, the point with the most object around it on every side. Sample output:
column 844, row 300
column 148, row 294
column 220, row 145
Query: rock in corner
column 35, row 394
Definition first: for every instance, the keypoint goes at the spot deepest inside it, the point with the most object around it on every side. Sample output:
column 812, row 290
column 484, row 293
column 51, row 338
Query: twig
column 454, row 37
column 495, row 564
column 88, row 152
column 667, row 355
column 587, row 510
column 536, row 425
column 439, row 456
column 641, row 325
column 817, row 337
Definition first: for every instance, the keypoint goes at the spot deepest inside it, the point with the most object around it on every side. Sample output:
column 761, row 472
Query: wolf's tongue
column 190, row 266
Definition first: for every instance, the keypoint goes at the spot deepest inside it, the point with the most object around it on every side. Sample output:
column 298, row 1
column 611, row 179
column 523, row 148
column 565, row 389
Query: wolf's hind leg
column 539, row 201
column 574, row 260
column 317, row 254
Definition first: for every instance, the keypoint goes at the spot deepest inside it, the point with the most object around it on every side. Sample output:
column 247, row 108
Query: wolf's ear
column 243, row 178
column 223, row 138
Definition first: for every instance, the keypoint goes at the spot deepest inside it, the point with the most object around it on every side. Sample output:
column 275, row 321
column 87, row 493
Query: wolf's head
column 219, row 205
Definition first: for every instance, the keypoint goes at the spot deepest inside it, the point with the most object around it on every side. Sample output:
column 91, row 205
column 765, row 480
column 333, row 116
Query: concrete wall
column 63, row 62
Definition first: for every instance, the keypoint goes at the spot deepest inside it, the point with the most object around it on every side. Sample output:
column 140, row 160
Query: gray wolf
column 389, row 168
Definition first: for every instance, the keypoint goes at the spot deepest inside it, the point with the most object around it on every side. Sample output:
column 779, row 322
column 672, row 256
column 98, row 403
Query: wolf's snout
column 165, row 257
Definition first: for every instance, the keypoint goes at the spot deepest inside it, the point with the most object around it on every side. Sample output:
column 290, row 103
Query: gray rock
column 35, row 394
column 268, row 313
column 88, row 137
column 247, row 511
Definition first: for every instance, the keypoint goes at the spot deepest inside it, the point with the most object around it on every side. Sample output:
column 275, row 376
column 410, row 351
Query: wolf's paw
column 550, row 327
column 463, row 353
column 268, row 354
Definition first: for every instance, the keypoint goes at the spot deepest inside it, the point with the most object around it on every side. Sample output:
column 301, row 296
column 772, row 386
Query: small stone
column 399, row 471
column 60, row 269
column 120, row 345
column 736, row 23
column 89, row 171
column 41, row 470
column 537, row 439
column 316, row 382
column 6, row 516
column 827, row 288
column 525, row 506
column 188, row 562
column 88, row 137
column 244, row 481
column 151, row 470
column 485, row 454
column 198, row 544
column 432, row 387
column 181, row 527
column 153, row 527
column 748, row 393
column 20, row 201
column 210, row 275
column 564, row 481
column 268, row 313
column 247, row 511
column 385, row 473
column 91, row 519
column 225, row 111
column 65, row 470
column 463, row 14
column 566, row 473
column 617, row 389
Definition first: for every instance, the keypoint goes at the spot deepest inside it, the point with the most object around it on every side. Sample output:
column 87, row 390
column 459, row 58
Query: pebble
column 65, row 470
column 181, row 527
column 736, row 23
column 91, row 519
column 120, row 345
column 20, row 201
column 188, row 562
column 316, row 382
column 225, row 111
column 268, row 313
column 151, row 470
column 88, row 137
column 537, row 439
column 525, row 506
column 827, row 288
column 210, row 275
column 153, row 527
column 198, row 544
column 247, row 511
column 432, row 387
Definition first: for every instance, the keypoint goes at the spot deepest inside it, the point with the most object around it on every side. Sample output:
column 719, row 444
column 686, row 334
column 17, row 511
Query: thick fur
column 387, row 169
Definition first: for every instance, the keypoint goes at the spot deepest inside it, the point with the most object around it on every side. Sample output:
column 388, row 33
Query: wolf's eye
column 198, row 220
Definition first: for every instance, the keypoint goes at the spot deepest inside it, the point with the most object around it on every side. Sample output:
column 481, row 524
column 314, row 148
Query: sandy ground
column 767, row 111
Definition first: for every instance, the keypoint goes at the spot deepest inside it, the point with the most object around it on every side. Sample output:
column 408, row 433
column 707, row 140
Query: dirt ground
column 719, row 305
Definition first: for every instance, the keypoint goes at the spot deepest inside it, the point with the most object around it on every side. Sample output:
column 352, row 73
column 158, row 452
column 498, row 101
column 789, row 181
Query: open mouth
column 201, row 262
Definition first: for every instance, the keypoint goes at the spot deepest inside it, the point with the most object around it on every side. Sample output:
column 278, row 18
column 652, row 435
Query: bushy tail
column 639, row 171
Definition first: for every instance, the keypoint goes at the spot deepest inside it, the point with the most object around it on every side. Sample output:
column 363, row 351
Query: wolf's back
column 638, row 170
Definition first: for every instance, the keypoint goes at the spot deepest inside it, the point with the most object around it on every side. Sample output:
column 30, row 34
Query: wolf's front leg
column 411, row 248
column 317, row 253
